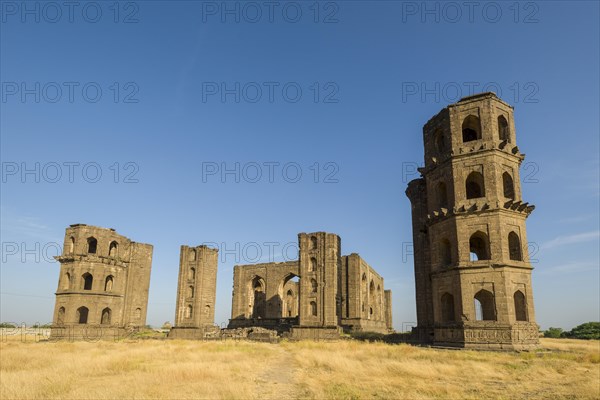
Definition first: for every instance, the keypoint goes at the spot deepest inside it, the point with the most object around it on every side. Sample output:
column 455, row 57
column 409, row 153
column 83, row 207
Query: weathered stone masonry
column 317, row 296
column 472, row 272
column 196, row 292
column 104, row 280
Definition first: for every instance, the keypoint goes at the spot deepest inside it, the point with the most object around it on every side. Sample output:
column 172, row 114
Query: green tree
column 589, row 330
column 553, row 332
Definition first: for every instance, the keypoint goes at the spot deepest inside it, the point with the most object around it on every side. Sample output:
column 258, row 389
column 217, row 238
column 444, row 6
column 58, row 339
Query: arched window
column 313, row 308
column 87, row 280
column 445, row 254
column 82, row 315
column 503, row 129
column 190, row 292
column 188, row 311
column 520, row 306
column 192, row 273
column 372, row 300
column 440, row 141
column 193, row 255
column 106, row 314
column 92, row 245
column 108, row 283
column 485, row 310
column 113, row 249
column 66, row 281
column 60, row 317
column 72, row 245
column 207, row 310
column 508, row 186
column 313, row 242
column 138, row 314
column 447, row 301
column 514, row 247
column 313, row 264
column 313, row 285
column 474, row 185
column 442, row 195
column 471, row 129
column 479, row 246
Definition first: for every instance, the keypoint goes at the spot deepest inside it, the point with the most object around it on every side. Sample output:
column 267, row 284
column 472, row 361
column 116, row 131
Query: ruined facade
column 103, row 283
column 367, row 306
column 317, row 296
column 265, row 295
column 472, row 272
column 196, row 292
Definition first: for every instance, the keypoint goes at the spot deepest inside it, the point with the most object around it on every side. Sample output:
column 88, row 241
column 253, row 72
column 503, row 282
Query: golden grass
column 165, row 369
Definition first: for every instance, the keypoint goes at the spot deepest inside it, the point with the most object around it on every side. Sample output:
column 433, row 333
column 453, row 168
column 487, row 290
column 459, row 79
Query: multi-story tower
column 196, row 292
column 472, row 272
column 104, row 280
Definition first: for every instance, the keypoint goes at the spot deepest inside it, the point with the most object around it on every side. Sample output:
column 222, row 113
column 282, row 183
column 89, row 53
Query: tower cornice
column 73, row 258
column 504, row 148
column 480, row 208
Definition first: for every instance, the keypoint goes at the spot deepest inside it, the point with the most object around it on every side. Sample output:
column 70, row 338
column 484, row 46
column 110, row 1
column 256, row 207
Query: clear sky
column 162, row 97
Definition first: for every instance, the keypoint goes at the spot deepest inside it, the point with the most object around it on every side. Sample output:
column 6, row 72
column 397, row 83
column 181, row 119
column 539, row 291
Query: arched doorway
column 289, row 288
column 257, row 306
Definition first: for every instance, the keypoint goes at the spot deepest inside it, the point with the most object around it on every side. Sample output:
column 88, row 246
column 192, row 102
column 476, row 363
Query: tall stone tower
column 103, row 283
column 472, row 272
column 320, row 286
column 196, row 292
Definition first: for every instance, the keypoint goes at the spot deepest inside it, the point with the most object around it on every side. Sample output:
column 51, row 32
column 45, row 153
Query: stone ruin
column 102, row 286
column 472, row 271
column 321, row 291
column 320, row 295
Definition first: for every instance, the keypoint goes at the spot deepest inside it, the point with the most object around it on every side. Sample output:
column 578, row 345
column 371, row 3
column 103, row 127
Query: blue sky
column 173, row 89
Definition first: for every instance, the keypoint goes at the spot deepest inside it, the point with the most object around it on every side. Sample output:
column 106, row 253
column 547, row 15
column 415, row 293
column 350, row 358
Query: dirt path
column 277, row 380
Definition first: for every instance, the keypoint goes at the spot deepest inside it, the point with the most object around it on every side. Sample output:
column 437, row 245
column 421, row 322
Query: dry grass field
column 161, row 369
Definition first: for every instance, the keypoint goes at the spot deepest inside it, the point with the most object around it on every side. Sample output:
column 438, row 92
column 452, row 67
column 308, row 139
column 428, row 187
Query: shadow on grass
column 391, row 338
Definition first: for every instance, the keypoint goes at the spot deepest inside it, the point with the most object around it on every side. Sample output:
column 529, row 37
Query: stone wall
column 363, row 298
column 264, row 294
